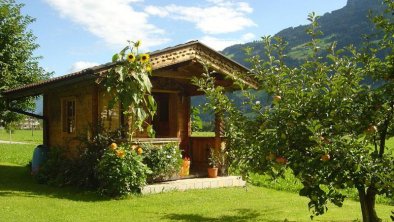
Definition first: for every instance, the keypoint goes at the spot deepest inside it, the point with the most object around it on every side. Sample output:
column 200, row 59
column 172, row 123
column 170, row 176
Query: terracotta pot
column 185, row 168
column 213, row 172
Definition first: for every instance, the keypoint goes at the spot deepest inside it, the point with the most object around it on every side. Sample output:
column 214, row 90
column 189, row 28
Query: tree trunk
column 367, row 203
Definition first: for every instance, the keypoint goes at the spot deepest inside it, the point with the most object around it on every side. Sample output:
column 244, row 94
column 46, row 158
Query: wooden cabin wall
column 83, row 94
column 110, row 118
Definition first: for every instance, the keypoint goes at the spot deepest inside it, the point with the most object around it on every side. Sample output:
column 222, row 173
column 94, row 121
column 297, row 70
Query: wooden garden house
column 73, row 103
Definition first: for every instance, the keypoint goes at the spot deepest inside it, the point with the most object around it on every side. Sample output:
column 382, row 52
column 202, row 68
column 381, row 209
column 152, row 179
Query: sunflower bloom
column 113, row 146
column 139, row 151
column 148, row 68
column 144, row 58
column 131, row 57
column 120, row 153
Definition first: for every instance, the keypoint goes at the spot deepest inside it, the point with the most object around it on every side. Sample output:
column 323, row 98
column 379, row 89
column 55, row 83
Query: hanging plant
column 128, row 84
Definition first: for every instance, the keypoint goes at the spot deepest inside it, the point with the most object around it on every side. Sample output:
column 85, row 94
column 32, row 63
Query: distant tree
column 325, row 122
column 196, row 119
column 18, row 65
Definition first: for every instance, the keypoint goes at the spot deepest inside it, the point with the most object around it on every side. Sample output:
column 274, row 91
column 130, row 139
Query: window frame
column 67, row 127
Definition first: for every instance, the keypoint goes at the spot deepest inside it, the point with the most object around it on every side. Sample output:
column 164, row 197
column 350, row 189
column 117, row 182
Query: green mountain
column 346, row 26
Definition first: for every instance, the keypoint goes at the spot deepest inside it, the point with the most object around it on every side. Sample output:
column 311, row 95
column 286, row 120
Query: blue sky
column 76, row 34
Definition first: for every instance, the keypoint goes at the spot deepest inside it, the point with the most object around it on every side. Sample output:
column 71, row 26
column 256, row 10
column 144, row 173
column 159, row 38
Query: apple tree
column 18, row 65
column 327, row 119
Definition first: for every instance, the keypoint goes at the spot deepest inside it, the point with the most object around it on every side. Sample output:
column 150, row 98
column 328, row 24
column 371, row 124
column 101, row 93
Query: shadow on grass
column 17, row 181
column 241, row 215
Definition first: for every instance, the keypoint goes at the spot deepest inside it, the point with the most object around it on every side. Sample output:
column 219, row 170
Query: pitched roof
column 193, row 50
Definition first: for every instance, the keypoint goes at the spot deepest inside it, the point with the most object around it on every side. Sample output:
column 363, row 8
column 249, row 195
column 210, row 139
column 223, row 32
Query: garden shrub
column 57, row 170
column 110, row 169
column 121, row 171
column 80, row 171
column 90, row 154
column 164, row 160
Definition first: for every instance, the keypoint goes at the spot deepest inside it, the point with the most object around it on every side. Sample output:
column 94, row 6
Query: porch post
column 185, row 125
column 218, row 130
column 45, row 121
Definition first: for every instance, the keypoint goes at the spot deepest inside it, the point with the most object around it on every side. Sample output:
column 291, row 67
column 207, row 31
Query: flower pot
column 185, row 168
column 213, row 172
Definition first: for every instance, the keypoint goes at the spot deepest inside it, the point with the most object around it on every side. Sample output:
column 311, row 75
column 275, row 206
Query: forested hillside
column 346, row 26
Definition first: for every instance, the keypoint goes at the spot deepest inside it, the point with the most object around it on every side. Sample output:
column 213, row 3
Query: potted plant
column 213, row 164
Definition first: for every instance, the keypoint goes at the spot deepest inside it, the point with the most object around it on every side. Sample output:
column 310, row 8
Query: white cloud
column 219, row 17
column 114, row 21
column 153, row 10
column 220, row 44
column 248, row 37
column 80, row 65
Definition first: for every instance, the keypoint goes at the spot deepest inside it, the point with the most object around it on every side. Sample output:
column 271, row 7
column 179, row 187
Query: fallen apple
column 277, row 99
column 325, row 157
column 281, row 160
column 372, row 129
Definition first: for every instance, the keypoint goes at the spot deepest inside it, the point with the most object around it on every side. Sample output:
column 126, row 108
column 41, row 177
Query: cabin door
column 161, row 119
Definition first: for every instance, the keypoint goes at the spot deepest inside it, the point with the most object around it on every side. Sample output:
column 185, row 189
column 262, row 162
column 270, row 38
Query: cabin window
column 68, row 115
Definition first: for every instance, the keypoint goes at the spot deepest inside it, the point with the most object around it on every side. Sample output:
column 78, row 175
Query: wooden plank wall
column 200, row 152
column 83, row 95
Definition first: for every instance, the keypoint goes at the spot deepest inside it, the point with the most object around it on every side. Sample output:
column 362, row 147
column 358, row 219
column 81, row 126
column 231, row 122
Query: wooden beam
column 165, row 91
column 25, row 113
column 173, row 74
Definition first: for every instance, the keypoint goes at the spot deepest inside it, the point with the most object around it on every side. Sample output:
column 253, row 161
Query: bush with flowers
column 121, row 171
column 165, row 161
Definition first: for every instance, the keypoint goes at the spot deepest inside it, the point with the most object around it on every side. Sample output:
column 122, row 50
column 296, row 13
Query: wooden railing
column 156, row 140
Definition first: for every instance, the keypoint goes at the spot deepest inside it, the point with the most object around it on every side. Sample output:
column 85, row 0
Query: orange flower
column 120, row 153
column 139, row 151
column 113, row 146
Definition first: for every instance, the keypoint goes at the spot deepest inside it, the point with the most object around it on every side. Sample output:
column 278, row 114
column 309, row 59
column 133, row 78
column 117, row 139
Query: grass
column 203, row 134
column 24, row 200
column 19, row 154
column 22, row 136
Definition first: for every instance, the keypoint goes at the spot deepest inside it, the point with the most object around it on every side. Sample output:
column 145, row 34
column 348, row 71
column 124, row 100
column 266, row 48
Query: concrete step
column 195, row 183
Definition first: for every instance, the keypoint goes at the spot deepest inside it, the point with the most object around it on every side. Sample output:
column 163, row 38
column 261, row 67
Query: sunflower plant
column 129, row 85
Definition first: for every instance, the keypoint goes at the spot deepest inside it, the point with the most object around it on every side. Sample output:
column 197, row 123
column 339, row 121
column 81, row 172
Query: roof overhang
column 163, row 59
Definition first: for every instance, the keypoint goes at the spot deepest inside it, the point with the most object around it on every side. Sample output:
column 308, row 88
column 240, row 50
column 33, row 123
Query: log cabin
column 74, row 102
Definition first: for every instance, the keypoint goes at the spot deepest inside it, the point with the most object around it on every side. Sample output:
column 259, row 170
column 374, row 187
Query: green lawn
column 22, row 199
column 203, row 134
column 19, row 154
column 26, row 136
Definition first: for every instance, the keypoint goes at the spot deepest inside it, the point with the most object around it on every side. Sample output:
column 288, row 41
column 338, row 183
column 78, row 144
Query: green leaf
column 115, row 57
